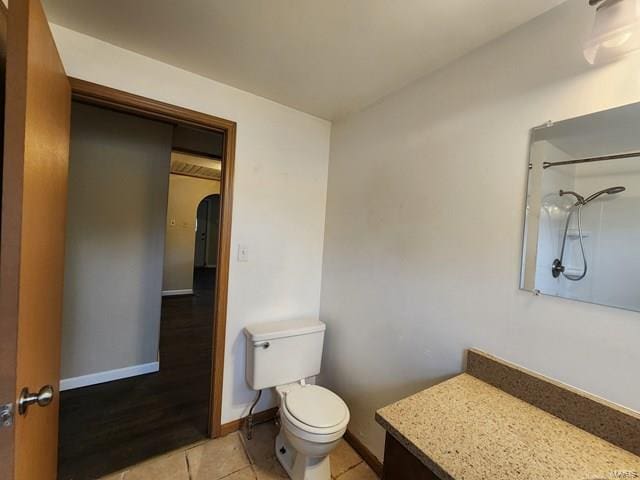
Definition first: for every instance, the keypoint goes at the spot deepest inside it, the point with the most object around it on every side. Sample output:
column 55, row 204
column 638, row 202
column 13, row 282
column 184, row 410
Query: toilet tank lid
column 260, row 332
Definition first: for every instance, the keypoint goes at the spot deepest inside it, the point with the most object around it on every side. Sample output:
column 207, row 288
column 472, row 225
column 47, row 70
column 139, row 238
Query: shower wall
column 611, row 233
column 612, row 223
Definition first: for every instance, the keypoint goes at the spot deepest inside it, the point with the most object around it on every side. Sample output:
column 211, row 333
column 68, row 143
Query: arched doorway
column 205, row 258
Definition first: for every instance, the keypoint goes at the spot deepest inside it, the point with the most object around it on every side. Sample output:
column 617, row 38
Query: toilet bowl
column 313, row 419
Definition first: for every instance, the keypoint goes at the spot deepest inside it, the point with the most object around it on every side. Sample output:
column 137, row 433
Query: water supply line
column 250, row 416
column 558, row 268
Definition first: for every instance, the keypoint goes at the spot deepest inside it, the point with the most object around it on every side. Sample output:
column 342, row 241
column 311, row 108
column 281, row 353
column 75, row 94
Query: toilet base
column 299, row 466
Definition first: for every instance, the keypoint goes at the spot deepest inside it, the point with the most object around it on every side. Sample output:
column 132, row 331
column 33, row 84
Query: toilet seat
column 316, row 406
column 314, row 412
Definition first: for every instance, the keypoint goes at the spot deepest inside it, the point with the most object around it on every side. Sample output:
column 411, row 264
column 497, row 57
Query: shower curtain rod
column 617, row 156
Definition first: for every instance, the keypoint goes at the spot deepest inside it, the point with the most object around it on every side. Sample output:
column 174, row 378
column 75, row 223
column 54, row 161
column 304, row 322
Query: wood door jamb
column 118, row 100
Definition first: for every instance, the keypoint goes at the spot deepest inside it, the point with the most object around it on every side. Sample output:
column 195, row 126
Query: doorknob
column 42, row 398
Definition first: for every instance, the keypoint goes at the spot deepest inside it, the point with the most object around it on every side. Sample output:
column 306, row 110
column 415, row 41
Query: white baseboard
column 186, row 291
column 108, row 376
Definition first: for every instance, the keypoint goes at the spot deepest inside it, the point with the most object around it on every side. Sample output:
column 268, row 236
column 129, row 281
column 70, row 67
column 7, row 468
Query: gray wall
column 118, row 184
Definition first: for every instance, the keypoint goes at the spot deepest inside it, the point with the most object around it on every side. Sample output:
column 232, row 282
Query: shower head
column 557, row 267
column 608, row 191
column 583, row 201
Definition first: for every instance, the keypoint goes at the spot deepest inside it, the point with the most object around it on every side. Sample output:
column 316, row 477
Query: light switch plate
column 243, row 253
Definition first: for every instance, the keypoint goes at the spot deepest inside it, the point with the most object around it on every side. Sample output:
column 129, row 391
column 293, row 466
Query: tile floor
column 234, row 457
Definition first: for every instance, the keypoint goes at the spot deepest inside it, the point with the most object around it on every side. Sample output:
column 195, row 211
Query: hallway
column 107, row 427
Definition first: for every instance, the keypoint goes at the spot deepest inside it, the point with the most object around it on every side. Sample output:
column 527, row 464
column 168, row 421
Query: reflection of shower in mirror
column 558, row 268
column 581, row 238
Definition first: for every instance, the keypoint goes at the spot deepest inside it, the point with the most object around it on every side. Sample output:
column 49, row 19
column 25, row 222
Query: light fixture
column 616, row 30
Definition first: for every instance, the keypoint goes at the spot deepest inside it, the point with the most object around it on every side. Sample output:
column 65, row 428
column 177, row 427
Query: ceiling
column 195, row 166
column 324, row 57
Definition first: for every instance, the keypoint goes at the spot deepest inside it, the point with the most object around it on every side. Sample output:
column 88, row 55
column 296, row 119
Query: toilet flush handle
column 261, row 345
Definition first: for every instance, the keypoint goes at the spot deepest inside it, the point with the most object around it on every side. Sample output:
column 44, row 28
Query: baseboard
column 364, row 452
column 169, row 293
column 108, row 376
column 259, row 417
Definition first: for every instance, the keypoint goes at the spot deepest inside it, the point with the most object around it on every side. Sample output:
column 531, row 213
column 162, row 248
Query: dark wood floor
column 106, row 427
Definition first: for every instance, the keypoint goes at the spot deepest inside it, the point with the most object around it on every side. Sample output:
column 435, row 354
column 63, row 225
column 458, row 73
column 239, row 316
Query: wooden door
column 34, row 192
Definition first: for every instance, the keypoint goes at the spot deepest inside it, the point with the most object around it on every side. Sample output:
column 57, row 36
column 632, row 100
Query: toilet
column 313, row 419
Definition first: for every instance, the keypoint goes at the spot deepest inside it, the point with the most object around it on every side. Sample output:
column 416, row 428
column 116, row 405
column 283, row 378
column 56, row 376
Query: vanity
column 500, row 421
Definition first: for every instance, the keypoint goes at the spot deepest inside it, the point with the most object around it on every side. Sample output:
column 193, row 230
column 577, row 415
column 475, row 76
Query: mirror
column 582, row 221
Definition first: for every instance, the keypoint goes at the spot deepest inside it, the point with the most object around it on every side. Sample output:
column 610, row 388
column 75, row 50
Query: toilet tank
column 283, row 352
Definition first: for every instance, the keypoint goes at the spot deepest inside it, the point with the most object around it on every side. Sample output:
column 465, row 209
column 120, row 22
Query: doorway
column 134, row 417
column 207, row 220
column 202, row 214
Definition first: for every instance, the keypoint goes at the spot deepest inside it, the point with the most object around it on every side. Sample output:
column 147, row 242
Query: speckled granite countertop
column 466, row 429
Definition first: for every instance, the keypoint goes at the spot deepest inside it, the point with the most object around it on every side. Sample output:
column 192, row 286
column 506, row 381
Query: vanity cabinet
column 464, row 428
column 401, row 464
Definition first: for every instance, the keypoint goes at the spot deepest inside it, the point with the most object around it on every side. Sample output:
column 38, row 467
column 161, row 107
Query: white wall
column 424, row 227
column 279, row 193
column 117, row 203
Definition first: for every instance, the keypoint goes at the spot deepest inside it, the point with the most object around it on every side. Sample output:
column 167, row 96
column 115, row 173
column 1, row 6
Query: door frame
column 107, row 97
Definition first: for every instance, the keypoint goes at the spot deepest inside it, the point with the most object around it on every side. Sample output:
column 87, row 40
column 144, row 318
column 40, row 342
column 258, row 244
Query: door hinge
column 6, row 415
